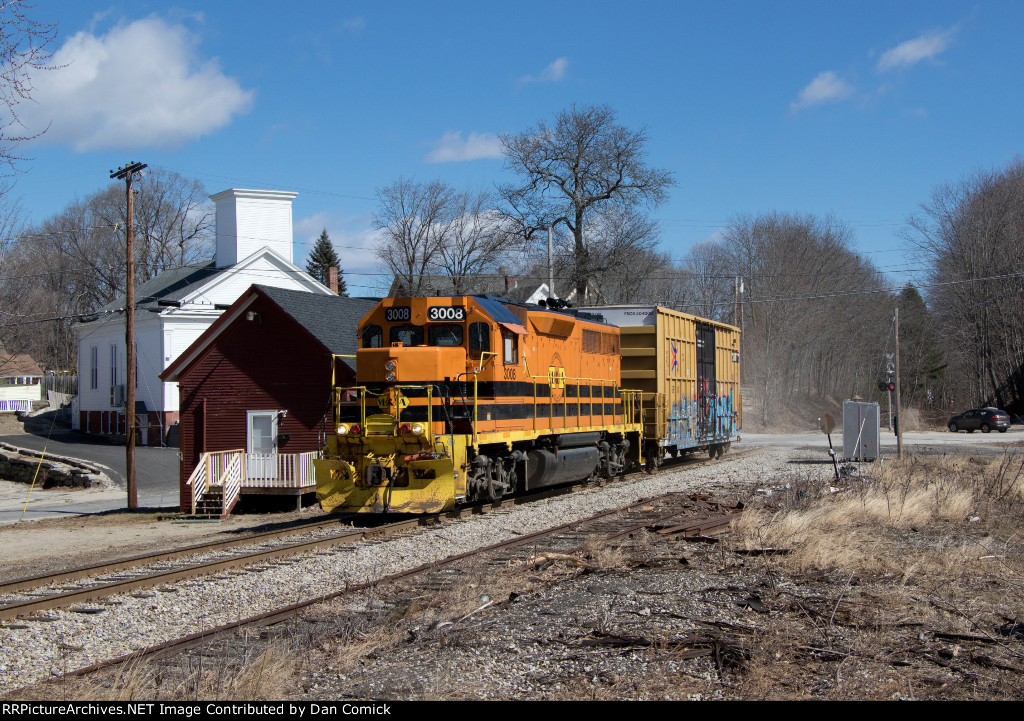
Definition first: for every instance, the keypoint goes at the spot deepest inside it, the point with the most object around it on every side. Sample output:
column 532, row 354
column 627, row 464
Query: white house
column 254, row 245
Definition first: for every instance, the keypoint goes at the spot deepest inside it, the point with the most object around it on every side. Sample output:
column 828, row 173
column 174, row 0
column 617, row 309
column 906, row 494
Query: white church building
column 254, row 246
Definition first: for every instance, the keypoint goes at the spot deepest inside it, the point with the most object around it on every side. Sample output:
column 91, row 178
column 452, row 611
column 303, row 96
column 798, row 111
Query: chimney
column 332, row 279
column 510, row 282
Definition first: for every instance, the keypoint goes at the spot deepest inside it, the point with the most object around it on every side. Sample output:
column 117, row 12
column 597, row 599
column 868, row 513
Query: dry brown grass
column 267, row 675
column 886, row 523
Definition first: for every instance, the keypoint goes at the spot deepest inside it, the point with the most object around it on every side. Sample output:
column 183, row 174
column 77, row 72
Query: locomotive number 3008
column 446, row 312
column 396, row 314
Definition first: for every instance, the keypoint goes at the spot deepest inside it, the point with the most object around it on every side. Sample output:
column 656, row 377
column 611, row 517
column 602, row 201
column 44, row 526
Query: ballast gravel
column 59, row 641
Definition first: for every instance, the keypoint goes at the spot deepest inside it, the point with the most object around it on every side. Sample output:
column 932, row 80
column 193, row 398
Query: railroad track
column 82, row 585
column 671, row 513
column 171, row 617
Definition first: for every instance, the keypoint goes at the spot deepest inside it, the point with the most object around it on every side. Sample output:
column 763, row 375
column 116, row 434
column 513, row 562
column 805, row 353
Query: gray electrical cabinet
column 861, row 434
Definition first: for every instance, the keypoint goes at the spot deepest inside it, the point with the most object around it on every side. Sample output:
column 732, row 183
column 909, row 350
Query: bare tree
column 814, row 308
column 431, row 228
column 478, row 239
column 706, row 272
column 410, row 220
column 25, row 47
column 173, row 220
column 73, row 262
column 581, row 166
column 973, row 233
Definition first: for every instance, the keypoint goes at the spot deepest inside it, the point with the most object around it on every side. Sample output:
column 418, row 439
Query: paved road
column 927, row 442
column 156, row 476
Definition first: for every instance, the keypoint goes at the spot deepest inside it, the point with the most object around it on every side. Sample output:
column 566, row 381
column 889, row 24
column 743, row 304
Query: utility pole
column 899, row 422
column 126, row 174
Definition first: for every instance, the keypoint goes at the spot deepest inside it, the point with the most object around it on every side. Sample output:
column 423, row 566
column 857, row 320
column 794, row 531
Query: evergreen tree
column 321, row 259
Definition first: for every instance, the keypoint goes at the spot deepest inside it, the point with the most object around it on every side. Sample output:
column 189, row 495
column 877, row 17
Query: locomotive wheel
column 495, row 490
column 497, row 481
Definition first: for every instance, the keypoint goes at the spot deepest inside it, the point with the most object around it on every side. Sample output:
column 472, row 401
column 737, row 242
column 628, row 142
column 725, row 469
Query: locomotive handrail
column 628, row 396
column 476, row 396
column 526, row 362
column 579, row 396
column 364, row 391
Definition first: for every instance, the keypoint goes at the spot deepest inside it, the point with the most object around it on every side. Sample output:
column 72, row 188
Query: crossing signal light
column 890, row 386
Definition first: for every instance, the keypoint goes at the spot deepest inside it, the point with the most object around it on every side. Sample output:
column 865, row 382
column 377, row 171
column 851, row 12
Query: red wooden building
column 254, row 393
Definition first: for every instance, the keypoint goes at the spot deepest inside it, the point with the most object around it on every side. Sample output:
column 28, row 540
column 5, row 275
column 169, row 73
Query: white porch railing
column 10, row 406
column 279, row 470
column 198, row 483
column 235, row 470
column 217, row 468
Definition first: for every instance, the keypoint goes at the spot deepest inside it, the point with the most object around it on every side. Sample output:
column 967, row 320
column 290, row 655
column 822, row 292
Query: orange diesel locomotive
column 471, row 398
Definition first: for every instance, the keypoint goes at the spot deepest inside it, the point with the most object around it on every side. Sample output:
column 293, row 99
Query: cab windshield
column 407, row 334
column 445, row 334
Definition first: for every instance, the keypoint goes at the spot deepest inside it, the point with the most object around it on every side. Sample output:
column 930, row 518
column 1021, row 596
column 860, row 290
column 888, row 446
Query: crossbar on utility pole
column 126, row 174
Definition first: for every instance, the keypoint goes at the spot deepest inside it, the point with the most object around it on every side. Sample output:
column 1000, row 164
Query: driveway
column 156, row 473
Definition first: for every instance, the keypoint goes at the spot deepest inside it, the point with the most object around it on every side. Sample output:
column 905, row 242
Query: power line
column 707, row 304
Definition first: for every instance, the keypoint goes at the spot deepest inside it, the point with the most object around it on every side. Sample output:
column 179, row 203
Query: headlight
column 390, row 365
column 417, row 429
column 342, row 429
column 390, row 376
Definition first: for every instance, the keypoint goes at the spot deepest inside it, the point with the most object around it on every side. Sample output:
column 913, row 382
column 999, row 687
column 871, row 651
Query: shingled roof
column 172, row 284
column 331, row 319
column 333, row 322
column 20, row 364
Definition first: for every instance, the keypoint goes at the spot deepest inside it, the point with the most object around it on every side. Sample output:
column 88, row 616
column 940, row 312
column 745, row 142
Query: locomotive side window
column 510, row 342
column 445, row 334
column 479, row 340
column 407, row 334
column 373, row 336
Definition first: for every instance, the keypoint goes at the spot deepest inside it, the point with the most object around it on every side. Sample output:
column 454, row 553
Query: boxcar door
column 706, row 393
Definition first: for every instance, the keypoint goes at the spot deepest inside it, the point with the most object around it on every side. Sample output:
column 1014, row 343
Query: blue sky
column 858, row 110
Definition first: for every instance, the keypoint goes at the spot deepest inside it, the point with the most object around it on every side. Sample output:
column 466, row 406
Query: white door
column 261, row 462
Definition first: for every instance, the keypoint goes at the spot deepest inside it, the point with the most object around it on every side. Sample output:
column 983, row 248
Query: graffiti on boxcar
column 688, row 427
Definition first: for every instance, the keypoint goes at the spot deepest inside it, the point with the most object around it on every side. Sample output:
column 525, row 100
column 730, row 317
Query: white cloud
column 140, row 85
column 911, row 52
column 826, row 88
column 451, row 148
column 551, row 74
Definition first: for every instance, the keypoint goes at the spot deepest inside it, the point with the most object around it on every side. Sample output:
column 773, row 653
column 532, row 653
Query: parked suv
column 980, row 418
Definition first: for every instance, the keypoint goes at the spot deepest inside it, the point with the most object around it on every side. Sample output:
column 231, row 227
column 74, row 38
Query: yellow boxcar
column 689, row 371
